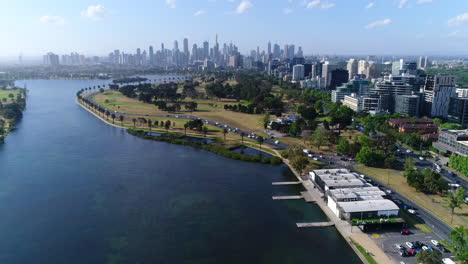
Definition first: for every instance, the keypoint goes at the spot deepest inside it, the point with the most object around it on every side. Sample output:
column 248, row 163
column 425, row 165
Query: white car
column 411, row 211
column 408, row 151
column 362, row 176
column 310, row 155
column 409, row 244
column 398, row 246
column 315, row 159
column 277, row 142
column 421, row 158
column 425, row 248
column 435, row 242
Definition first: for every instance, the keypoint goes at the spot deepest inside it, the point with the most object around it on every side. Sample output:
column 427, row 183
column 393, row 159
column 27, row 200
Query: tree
column 205, row 131
column 299, row 163
column 121, row 118
column 185, row 128
column 242, row 134
column 134, row 122
column 305, row 134
column 294, row 129
column 260, row 141
column 318, row 137
column 455, row 200
column 150, row 124
column 167, row 125
column 429, row 257
column 113, row 117
column 343, row 146
column 371, row 158
column 266, row 119
column 107, row 114
column 459, row 238
column 225, row 131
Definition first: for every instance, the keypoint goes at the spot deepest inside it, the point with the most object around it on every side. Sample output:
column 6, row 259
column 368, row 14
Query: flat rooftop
column 345, row 183
column 368, row 206
column 361, row 193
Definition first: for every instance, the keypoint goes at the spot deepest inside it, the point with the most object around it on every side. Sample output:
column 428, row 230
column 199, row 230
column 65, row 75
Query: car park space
column 402, row 247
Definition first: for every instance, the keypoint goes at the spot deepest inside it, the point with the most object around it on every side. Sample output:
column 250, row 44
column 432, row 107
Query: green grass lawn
column 5, row 93
column 368, row 257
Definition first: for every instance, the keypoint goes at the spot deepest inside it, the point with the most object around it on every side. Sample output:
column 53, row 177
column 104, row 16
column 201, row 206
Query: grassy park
column 4, row 95
column 435, row 204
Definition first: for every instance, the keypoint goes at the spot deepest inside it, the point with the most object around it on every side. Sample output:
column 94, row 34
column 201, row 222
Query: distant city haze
column 387, row 27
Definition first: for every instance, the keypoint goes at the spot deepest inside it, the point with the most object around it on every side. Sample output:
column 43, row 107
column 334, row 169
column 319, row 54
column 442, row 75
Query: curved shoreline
column 342, row 232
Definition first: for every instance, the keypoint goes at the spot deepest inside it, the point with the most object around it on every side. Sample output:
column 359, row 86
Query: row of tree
column 459, row 163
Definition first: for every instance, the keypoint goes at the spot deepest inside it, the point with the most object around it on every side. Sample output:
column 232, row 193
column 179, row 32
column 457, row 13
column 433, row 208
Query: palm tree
column 205, row 131
column 225, row 131
column 121, row 119
column 260, row 141
column 134, row 122
column 150, row 123
column 113, row 118
column 185, row 128
column 242, row 137
column 107, row 114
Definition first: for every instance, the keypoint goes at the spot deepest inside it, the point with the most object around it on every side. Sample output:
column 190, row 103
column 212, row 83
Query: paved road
column 435, row 223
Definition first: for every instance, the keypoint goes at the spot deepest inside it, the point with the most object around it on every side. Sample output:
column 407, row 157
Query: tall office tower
column 269, row 49
column 422, row 63
column 276, row 51
column 162, row 48
column 176, row 45
column 285, row 51
column 397, row 67
column 51, row 59
column 438, row 90
column 138, row 57
column 151, row 55
column 352, row 68
column 362, row 67
column 291, row 51
column 194, row 52
column 206, row 49
column 300, row 54
column 186, row 50
column 298, row 72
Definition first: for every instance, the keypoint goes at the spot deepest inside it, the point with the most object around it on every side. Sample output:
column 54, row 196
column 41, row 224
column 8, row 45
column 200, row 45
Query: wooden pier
column 292, row 197
column 316, row 224
column 286, row 183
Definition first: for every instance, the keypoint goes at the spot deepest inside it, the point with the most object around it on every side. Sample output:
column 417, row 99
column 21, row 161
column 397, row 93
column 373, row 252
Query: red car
column 405, row 231
column 411, row 252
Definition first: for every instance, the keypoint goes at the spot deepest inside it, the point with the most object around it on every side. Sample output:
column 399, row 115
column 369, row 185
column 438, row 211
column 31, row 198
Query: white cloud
column 379, row 23
column 454, row 33
column 171, row 3
column 243, row 7
column 458, row 20
column 370, row 5
column 403, row 3
column 199, row 13
column 96, row 12
column 56, row 20
column 313, row 4
column 419, row 2
column 287, row 10
column 327, row 5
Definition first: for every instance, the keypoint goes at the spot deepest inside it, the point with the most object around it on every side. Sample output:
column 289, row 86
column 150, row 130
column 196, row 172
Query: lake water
column 74, row 190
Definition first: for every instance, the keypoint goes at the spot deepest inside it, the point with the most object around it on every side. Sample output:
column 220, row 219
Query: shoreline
column 218, row 150
column 344, row 234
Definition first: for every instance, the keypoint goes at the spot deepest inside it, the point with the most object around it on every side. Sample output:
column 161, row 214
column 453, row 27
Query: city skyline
column 320, row 27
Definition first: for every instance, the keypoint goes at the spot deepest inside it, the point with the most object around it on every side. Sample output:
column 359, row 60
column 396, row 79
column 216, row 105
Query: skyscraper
column 186, row 49
column 437, row 93
column 422, row 63
column 352, row 68
column 269, row 49
column 362, row 67
column 298, row 72
column 151, row 55
column 206, row 49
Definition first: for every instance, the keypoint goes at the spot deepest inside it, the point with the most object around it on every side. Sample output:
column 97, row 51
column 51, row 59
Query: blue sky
column 319, row 26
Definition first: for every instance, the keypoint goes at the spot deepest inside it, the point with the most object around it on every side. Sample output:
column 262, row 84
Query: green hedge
column 219, row 150
column 459, row 163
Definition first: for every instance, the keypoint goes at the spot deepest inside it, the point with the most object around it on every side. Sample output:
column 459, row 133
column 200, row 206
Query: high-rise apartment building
column 438, row 90
column 352, row 68
column 298, row 72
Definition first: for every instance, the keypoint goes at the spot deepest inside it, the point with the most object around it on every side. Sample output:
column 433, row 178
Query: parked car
column 443, row 249
column 277, row 142
column 421, row 158
column 409, row 151
column 411, row 211
column 435, row 242
column 418, row 244
column 405, row 232
column 411, row 252
column 398, row 246
column 410, row 245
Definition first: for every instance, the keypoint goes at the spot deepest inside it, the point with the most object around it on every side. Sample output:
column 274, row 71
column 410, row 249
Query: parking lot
column 388, row 240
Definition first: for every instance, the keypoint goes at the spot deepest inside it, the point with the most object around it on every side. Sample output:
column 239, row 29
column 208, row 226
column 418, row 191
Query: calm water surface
column 74, row 190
